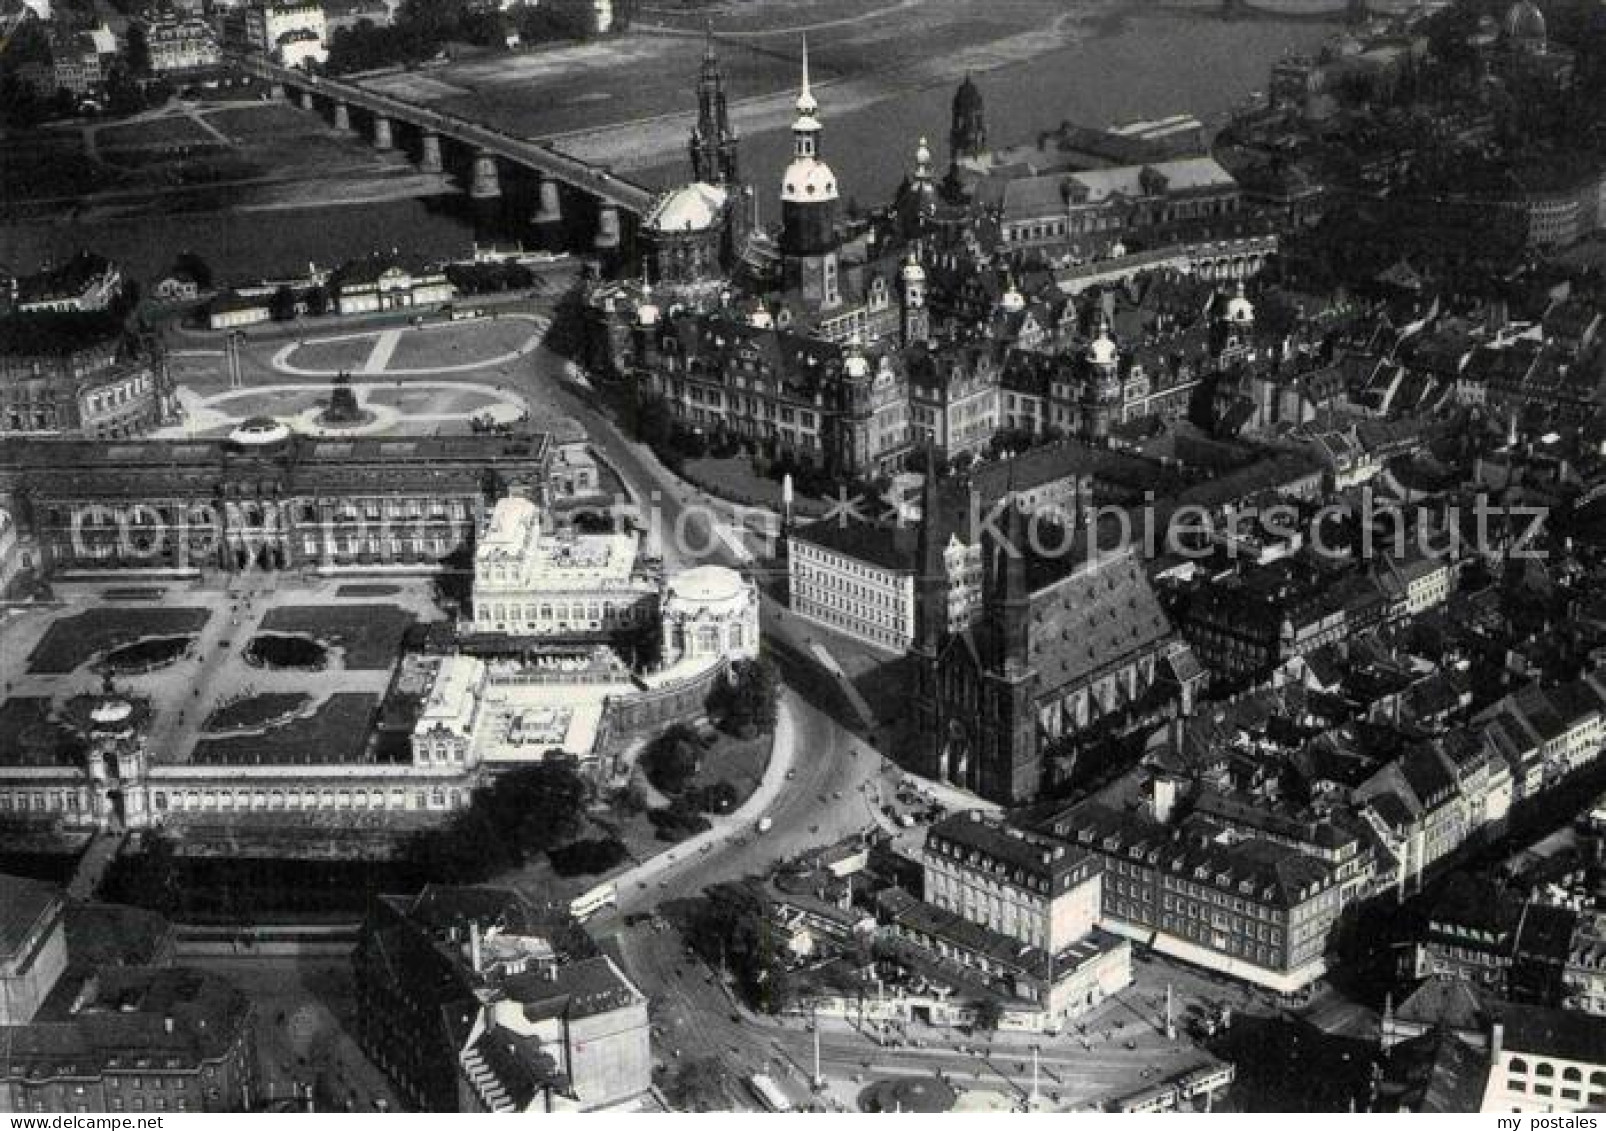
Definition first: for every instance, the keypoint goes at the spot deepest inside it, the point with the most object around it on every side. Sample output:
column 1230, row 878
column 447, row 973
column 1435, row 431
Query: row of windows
column 594, row 613
column 1543, row 1069
column 227, row 800
column 886, row 631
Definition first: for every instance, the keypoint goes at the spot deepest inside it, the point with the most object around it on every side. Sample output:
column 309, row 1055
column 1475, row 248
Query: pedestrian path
column 384, row 346
column 93, row 863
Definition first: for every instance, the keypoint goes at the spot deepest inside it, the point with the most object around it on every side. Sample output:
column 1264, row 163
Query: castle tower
column 912, row 296
column 713, row 140
column 1101, row 384
column 808, row 205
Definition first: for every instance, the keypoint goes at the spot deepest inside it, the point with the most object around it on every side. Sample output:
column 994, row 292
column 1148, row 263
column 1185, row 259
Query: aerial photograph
column 802, row 556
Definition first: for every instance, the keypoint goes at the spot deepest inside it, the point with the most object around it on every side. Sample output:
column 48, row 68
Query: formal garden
column 257, row 712
column 144, row 655
column 31, row 736
column 73, row 641
column 338, row 731
column 369, row 637
column 277, row 650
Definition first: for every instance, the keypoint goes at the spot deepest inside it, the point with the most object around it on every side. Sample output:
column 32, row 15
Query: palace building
column 261, row 497
column 79, row 374
column 531, row 582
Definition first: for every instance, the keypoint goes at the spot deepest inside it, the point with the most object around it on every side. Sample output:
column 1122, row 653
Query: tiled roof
column 882, row 544
column 25, row 903
column 1096, row 618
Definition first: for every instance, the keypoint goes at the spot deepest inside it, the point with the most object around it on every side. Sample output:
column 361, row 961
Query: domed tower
column 1524, row 28
column 713, row 140
column 917, row 196
column 808, row 205
column 912, row 294
column 967, row 136
column 1234, row 329
column 645, row 330
column 1101, row 383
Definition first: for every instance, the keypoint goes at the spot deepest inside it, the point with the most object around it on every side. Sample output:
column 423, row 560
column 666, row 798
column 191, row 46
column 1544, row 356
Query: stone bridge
column 436, row 140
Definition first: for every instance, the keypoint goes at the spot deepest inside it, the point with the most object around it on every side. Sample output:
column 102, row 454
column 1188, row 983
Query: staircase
column 484, row 1082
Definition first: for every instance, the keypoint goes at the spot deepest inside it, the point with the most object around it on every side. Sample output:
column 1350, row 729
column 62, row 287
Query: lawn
column 257, row 711
column 740, row 761
column 348, row 354
column 154, row 134
column 29, row 737
column 336, row 732
column 274, row 404
column 462, row 344
column 369, row 636
column 412, row 400
column 75, row 640
column 733, row 478
column 259, row 120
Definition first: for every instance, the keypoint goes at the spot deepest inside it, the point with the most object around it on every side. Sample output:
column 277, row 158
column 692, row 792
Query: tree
column 587, row 857
column 282, row 306
column 989, row 1014
column 188, row 263
column 730, row 927
column 317, row 302
column 137, row 50
column 670, row 760
column 745, row 703
column 698, row 1085
column 535, row 808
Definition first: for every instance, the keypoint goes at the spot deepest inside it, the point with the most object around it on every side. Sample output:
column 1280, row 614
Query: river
column 1133, row 67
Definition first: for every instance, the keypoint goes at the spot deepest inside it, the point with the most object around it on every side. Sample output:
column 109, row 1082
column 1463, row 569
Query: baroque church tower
column 713, row 140
column 967, row 135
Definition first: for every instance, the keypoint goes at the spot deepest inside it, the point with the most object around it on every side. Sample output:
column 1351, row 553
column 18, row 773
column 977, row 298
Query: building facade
column 262, row 497
column 531, row 582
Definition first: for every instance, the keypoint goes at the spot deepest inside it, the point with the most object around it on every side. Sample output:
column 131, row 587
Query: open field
column 72, row 642
column 159, row 133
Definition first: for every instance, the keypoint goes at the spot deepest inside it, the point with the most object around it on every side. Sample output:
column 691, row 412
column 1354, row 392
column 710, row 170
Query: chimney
column 1497, row 1041
column 474, row 945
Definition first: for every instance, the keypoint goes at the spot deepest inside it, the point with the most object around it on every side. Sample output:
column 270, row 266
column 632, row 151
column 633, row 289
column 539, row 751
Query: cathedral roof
column 1097, row 617
column 691, row 208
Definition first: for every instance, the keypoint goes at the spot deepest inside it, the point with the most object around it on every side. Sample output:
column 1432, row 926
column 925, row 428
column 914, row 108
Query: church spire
column 805, row 95
column 713, row 141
